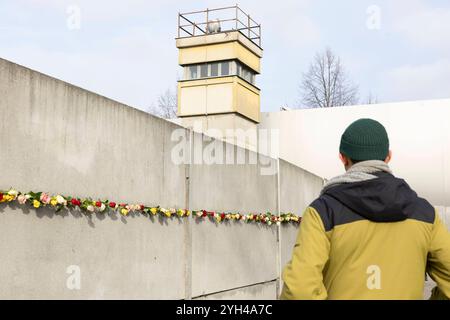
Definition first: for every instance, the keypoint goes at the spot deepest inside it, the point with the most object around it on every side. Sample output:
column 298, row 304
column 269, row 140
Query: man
column 368, row 235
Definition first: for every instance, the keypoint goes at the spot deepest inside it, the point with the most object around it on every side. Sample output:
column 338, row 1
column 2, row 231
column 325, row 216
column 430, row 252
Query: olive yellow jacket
column 374, row 239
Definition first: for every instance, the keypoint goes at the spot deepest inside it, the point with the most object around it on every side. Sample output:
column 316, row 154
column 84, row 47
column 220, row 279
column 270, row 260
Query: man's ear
column 389, row 157
column 344, row 159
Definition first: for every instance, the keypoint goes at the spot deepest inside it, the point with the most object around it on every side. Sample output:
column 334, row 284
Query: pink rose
column 45, row 198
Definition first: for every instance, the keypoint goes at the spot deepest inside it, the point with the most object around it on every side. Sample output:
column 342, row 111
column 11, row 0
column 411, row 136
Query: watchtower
column 220, row 52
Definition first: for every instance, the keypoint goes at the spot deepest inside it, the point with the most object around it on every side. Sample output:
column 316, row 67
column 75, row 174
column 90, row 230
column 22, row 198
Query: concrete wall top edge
column 399, row 104
column 4, row 62
column 304, row 170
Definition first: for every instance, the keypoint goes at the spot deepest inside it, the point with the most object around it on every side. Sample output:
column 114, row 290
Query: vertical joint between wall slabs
column 188, row 222
column 278, row 253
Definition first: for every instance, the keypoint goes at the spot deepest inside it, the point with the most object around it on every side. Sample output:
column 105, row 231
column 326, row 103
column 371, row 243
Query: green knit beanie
column 365, row 139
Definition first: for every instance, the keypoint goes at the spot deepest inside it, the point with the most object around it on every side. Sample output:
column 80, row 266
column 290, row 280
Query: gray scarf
column 360, row 171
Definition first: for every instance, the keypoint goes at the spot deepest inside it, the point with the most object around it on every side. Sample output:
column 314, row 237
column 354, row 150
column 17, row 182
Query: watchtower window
column 219, row 69
column 225, row 68
column 214, row 69
column 203, row 70
column 193, row 72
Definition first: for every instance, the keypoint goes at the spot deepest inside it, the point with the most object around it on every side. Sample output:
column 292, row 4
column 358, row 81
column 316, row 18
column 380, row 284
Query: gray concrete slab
column 118, row 258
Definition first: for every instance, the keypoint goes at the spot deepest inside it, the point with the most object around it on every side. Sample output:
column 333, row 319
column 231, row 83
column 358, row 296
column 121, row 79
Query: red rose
column 211, row 214
column 112, row 204
column 1, row 196
column 142, row 207
column 222, row 216
column 74, row 202
column 98, row 204
column 204, row 213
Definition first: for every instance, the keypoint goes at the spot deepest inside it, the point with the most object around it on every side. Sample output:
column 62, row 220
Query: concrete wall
column 233, row 255
column 118, row 258
column 298, row 188
column 418, row 131
column 59, row 138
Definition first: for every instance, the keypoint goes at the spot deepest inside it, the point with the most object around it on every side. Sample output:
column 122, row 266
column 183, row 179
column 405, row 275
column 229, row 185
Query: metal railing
column 195, row 23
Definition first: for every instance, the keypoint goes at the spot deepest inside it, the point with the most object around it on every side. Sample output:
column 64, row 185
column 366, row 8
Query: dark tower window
column 219, row 69
column 193, row 73
column 225, row 68
column 204, row 70
column 214, row 69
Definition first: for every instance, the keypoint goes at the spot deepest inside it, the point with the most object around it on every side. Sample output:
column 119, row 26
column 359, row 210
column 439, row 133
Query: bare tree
column 166, row 106
column 371, row 99
column 326, row 83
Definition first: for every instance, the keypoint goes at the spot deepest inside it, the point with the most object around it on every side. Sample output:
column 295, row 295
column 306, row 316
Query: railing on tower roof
column 191, row 24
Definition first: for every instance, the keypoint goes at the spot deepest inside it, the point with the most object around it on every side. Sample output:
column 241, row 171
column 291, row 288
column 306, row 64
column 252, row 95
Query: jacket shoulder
column 333, row 212
column 421, row 210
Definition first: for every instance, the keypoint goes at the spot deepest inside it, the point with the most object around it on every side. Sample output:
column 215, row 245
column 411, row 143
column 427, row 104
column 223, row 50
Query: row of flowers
column 88, row 205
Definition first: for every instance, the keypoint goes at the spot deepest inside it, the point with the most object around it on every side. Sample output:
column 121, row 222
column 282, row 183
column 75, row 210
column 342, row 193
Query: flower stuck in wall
column 89, row 206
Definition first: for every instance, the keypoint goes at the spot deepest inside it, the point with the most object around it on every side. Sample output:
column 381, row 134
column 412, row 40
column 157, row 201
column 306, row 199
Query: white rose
column 22, row 199
column 13, row 192
column 60, row 199
column 90, row 208
column 102, row 207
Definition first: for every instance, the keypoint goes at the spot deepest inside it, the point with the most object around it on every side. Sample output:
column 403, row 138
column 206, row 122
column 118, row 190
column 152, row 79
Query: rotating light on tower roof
column 213, row 26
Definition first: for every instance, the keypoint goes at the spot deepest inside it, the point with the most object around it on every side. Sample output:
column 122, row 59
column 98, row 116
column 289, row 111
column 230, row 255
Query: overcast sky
column 395, row 49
